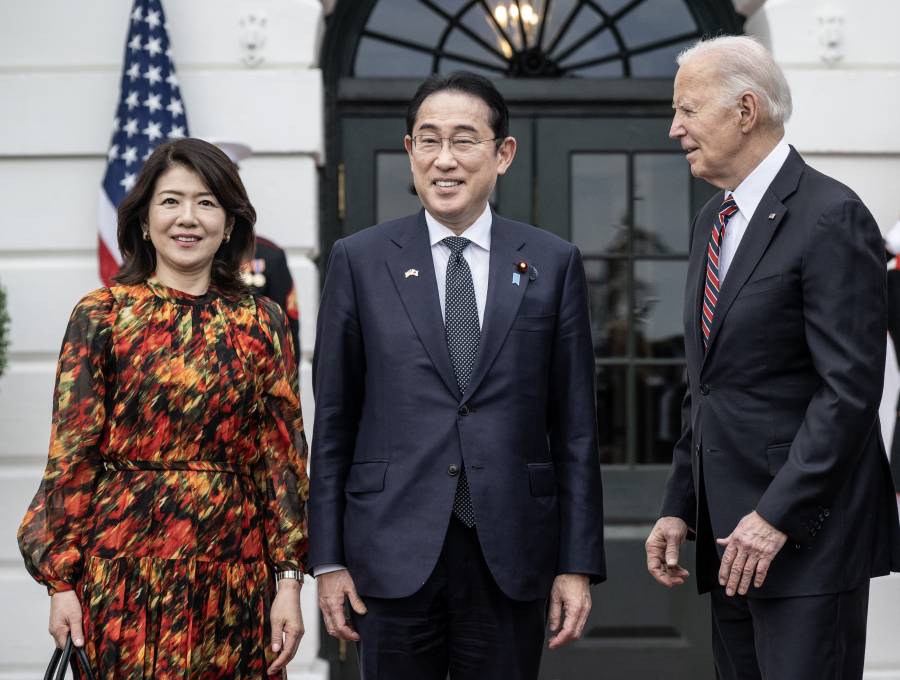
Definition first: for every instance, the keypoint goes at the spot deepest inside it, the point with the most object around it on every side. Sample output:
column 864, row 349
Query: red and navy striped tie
column 711, row 293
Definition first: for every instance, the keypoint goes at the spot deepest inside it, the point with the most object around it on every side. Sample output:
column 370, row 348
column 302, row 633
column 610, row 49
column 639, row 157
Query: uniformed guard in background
column 267, row 273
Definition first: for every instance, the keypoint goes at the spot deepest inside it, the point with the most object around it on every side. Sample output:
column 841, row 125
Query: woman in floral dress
column 175, row 488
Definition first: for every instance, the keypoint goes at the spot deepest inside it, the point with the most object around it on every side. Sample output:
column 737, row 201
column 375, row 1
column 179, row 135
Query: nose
column 676, row 130
column 445, row 159
column 187, row 216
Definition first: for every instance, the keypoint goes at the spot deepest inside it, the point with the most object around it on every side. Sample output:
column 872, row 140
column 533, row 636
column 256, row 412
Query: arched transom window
column 525, row 38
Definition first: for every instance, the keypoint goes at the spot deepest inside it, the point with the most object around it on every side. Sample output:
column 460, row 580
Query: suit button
column 704, row 389
column 699, row 450
column 826, row 512
column 453, row 470
column 464, row 410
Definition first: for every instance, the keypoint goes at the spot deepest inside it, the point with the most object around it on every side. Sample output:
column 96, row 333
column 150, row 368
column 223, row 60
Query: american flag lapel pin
column 410, row 272
column 772, row 216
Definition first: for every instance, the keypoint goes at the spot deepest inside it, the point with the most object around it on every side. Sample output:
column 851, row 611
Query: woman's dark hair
column 469, row 83
column 220, row 175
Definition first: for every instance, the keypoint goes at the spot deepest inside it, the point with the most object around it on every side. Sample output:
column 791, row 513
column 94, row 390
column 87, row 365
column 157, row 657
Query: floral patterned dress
column 175, row 482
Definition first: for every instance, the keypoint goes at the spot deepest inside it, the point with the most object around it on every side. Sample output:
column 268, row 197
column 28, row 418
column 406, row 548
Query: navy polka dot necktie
column 463, row 334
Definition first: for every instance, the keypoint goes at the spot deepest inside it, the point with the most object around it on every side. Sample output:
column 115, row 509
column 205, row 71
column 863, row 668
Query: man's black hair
column 468, row 83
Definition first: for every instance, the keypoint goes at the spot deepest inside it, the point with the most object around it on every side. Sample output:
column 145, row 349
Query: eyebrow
column 181, row 193
column 461, row 127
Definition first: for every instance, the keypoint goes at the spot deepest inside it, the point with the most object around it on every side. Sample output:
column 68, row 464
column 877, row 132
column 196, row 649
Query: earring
column 147, row 235
column 227, row 237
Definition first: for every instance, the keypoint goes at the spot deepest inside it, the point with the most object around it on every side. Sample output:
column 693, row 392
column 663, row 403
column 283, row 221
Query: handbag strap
column 81, row 667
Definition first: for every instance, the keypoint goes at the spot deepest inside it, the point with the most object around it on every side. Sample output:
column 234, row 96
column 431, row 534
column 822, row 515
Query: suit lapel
column 757, row 237
column 419, row 293
column 503, row 296
column 697, row 275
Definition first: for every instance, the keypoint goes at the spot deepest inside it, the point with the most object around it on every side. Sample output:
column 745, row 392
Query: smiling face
column 186, row 224
column 454, row 187
column 709, row 131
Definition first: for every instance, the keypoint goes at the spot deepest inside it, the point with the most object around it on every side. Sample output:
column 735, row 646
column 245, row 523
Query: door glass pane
column 648, row 22
column 658, row 307
column 395, row 195
column 662, row 211
column 659, row 392
column 612, row 412
column 599, row 202
column 608, row 290
column 378, row 59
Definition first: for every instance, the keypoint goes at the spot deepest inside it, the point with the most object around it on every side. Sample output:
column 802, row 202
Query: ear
column 408, row 145
column 229, row 225
column 505, row 155
column 749, row 108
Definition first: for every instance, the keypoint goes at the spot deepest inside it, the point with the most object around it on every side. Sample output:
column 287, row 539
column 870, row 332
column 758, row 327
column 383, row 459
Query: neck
column 459, row 227
column 754, row 154
column 193, row 283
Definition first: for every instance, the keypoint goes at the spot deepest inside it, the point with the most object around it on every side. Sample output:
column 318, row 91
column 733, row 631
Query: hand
column 65, row 618
column 570, row 600
column 749, row 551
column 334, row 588
column 286, row 620
column 663, row 546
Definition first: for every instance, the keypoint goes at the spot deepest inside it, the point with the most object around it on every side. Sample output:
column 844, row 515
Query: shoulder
column 379, row 235
column 96, row 304
column 822, row 191
column 537, row 239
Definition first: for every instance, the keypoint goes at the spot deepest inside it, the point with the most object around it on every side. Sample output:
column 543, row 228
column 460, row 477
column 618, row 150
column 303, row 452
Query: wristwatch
column 292, row 574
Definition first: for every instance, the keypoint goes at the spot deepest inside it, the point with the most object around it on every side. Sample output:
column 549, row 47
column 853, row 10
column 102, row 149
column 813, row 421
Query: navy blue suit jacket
column 781, row 412
column 390, row 420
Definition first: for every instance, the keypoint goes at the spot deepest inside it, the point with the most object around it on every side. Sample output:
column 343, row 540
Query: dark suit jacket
column 782, row 409
column 390, row 420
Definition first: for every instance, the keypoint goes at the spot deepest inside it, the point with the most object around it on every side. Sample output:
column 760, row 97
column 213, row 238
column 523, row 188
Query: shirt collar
column 479, row 233
column 750, row 192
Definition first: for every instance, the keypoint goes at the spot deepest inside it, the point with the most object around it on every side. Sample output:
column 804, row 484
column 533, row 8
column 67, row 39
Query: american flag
column 150, row 112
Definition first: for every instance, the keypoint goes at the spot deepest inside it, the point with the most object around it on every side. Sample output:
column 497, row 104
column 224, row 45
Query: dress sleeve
column 280, row 474
column 50, row 536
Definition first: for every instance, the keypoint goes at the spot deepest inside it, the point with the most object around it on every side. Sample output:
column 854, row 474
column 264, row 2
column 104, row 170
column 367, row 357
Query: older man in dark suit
column 780, row 472
column 456, row 479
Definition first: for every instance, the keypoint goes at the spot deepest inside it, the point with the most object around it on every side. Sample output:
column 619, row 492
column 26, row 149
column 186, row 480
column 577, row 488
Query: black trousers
column 459, row 622
column 817, row 637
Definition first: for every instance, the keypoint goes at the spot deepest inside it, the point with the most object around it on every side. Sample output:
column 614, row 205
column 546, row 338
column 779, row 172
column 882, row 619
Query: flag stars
column 138, row 14
column 116, row 124
column 175, row 107
column 152, row 19
column 134, row 71
column 153, row 46
column 152, row 131
column 153, row 103
column 129, row 155
column 113, row 153
column 153, row 75
column 128, row 181
column 131, row 127
column 131, row 101
column 177, row 132
column 135, row 43
column 172, row 80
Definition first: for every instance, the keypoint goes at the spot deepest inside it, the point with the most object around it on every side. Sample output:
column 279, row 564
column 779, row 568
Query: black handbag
column 81, row 668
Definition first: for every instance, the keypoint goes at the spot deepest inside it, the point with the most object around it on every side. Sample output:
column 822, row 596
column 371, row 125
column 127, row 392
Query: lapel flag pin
column 517, row 277
column 771, row 216
column 410, row 272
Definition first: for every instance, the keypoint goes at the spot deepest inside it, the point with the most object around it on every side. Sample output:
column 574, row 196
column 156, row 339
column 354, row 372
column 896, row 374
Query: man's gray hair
column 743, row 64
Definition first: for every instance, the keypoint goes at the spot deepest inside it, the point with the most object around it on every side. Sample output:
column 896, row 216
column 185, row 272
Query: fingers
column 335, row 622
column 672, row 550
column 355, row 600
column 575, row 612
column 65, row 619
column 292, row 637
column 277, row 634
column 737, row 570
column 553, row 616
column 731, row 551
column 663, row 549
column 762, row 570
column 747, row 574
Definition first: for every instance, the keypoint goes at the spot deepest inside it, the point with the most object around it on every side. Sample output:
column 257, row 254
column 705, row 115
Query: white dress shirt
column 478, row 255
column 747, row 196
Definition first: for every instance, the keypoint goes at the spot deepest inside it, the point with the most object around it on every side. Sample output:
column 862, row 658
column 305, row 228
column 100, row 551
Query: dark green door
column 620, row 190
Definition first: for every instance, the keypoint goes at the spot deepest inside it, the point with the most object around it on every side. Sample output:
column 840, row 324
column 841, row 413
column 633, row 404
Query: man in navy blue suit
column 456, row 480
column 780, row 473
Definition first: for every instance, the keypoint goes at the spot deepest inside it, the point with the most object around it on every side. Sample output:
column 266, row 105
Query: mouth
column 447, row 184
column 186, row 240
column 688, row 150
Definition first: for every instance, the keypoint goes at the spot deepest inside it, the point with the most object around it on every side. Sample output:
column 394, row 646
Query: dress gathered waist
column 176, row 465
